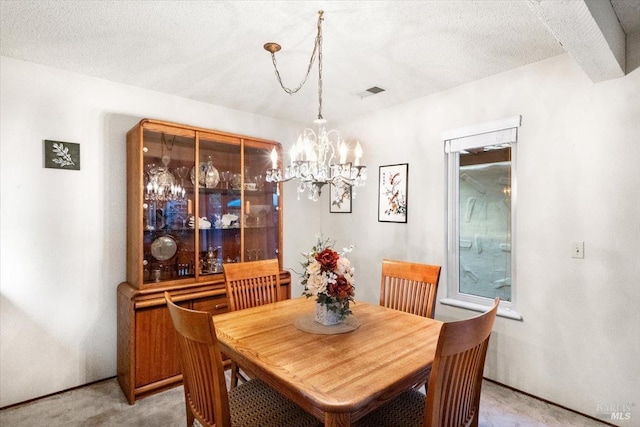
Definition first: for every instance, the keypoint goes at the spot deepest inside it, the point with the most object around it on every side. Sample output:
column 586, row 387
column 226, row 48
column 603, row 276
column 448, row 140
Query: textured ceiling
column 211, row 51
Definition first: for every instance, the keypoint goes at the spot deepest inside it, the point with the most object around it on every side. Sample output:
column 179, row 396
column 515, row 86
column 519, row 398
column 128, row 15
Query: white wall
column 578, row 180
column 64, row 232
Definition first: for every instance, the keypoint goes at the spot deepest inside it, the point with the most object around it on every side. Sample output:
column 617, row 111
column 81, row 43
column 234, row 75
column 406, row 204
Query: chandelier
column 314, row 155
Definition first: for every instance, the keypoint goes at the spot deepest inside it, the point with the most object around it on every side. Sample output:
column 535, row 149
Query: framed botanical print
column 392, row 193
column 340, row 199
column 61, row 155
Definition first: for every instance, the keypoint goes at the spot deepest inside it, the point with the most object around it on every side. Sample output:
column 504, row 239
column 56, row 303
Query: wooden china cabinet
column 196, row 199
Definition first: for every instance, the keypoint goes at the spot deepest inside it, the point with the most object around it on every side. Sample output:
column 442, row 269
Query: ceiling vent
column 374, row 90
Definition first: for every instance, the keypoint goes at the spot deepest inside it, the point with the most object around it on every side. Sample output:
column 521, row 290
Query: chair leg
column 234, row 375
column 423, row 383
column 190, row 417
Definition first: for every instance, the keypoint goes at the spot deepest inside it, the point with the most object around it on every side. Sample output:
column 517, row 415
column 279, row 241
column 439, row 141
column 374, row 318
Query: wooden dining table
column 336, row 377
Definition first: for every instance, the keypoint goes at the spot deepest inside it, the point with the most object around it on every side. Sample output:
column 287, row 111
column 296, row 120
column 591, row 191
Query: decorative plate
column 164, row 248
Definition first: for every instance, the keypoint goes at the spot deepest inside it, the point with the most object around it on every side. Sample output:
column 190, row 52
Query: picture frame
column 61, row 155
column 393, row 186
column 340, row 199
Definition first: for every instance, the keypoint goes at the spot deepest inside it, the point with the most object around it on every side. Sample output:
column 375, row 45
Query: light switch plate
column 577, row 250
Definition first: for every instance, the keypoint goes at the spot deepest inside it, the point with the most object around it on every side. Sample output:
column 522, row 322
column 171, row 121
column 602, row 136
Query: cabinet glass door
column 262, row 204
column 219, row 202
column 168, row 238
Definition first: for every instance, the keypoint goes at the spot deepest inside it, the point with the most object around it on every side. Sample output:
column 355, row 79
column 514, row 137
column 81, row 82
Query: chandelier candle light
column 314, row 154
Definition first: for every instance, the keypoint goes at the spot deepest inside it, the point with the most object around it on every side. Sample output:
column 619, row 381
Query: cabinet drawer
column 214, row 305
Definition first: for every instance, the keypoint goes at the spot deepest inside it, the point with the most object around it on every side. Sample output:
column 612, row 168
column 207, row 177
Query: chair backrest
column 253, row 283
column 205, row 389
column 453, row 394
column 409, row 287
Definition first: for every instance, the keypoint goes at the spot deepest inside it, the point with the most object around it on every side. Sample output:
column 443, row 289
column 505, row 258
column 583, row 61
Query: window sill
column 502, row 312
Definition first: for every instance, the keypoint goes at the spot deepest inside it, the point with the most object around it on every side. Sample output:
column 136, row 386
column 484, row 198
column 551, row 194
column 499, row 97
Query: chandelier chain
column 319, row 44
column 317, row 52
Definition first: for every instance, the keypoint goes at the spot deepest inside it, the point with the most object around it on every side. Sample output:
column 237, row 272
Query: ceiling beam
column 589, row 31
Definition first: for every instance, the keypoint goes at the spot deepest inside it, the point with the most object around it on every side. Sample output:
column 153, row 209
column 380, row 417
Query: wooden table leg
column 339, row 419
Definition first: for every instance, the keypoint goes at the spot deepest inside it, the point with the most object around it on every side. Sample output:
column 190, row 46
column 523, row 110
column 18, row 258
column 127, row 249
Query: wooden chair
column 453, row 391
column 205, row 392
column 409, row 287
column 250, row 284
column 254, row 283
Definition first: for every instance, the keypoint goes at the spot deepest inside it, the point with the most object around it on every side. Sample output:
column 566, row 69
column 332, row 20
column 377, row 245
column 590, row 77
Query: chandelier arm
column 317, row 47
column 286, row 179
column 336, row 134
column 337, row 180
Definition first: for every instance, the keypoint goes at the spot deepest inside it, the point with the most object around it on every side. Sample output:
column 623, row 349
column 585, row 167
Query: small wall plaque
column 61, row 155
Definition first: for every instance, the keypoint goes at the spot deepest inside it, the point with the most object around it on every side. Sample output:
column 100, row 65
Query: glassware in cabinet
column 219, row 202
column 197, row 199
column 167, row 240
column 261, row 204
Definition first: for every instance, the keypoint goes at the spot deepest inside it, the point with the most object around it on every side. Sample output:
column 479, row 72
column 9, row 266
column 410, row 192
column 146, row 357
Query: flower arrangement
column 328, row 275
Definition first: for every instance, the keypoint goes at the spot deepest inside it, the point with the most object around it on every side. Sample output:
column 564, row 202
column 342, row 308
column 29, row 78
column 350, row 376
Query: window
column 481, row 197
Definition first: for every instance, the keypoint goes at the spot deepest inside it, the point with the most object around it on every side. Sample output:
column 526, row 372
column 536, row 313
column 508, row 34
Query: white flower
column 343, row 266
column 313, row 267
column 316, row 284
column 331, row 276
column 347, row 250
column 349, row 278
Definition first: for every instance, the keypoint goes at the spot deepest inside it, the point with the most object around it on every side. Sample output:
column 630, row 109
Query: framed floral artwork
column 392, row 193
column 340, row 199
column 61, row 155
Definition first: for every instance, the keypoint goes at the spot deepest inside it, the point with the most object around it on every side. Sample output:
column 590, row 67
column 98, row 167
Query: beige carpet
column 104, row 404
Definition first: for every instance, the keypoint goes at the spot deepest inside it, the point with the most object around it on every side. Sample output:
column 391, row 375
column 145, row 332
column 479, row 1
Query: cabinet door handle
column 221, row 306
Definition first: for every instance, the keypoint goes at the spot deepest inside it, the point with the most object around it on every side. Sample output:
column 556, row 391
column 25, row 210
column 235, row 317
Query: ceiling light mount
column 313, row 155
column 272, row 47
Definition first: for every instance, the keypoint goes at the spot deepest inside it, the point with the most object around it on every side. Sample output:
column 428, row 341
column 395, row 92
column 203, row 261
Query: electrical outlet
column 577, row 250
